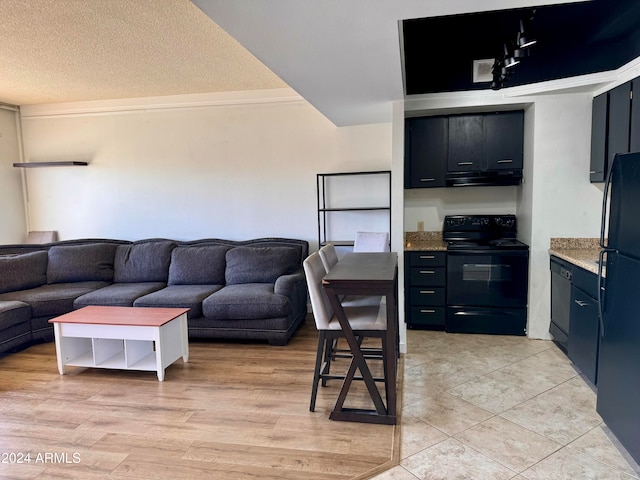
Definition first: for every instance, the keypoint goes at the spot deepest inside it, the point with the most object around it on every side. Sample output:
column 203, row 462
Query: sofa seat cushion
column 198, row 265
column 246, row 301
column 54, row 299
column 20, row 272
column 81, row 263
column 14, row 313
column 118, row 294
column 182, row 296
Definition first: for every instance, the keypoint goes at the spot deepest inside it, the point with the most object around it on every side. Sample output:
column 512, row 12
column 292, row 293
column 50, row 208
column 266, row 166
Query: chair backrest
column 314, row 271
column 329, row 256
column 371, row 242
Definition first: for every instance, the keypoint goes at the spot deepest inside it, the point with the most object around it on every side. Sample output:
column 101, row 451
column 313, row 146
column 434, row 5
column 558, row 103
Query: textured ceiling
column 73, row 50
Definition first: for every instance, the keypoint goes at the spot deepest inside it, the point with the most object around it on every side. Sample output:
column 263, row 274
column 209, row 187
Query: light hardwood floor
column 235, row 411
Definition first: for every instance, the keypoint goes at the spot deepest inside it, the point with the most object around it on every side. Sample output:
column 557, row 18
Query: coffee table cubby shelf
column 110, row 353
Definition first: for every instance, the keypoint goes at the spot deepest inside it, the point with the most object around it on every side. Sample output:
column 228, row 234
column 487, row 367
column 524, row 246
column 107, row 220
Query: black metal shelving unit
column 325, row 211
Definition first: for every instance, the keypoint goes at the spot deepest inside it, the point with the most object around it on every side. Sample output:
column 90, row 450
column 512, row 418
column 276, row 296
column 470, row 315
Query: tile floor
column 499, row 407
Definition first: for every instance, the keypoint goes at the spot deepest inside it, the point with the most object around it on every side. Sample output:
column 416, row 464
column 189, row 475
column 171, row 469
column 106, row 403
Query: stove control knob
column 498, row 220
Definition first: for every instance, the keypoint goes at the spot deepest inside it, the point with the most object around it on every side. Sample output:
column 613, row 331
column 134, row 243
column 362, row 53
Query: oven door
column 487, row 278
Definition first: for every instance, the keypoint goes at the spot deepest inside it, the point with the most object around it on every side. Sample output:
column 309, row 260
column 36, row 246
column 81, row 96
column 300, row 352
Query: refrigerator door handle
column 601, row 291
column 605, row 197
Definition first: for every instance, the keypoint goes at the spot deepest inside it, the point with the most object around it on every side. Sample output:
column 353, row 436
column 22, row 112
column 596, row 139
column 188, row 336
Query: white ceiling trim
column 219, row 99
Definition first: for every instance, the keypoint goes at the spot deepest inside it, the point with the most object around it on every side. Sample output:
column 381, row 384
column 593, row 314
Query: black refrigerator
column 619, row 302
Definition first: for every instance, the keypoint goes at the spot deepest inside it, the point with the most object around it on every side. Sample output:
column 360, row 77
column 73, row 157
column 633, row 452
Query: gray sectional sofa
column 246, row 290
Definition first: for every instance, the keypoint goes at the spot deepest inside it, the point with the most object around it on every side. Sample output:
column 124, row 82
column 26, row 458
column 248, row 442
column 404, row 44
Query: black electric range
column 487, row 275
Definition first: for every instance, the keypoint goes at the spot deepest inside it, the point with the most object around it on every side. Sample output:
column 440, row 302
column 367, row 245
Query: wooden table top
column 363, row 267
column 133, row 316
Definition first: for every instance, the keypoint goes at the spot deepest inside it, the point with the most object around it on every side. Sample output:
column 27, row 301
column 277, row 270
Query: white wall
column 431, row 205
column 227, row 167
column 559, row 201
column 12, row 217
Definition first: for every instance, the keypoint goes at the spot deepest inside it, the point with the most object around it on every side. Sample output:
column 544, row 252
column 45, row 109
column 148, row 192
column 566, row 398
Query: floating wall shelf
column 50, row 164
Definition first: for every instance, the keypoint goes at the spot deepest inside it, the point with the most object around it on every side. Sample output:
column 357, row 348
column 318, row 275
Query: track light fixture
column 509, row 58
column 523, row 40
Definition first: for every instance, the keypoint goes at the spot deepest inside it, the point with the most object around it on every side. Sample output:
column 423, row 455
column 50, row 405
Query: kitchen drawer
column 586, row 281
column 426, row 259
column 427, row 316
column 428, row 276
column 427, row 296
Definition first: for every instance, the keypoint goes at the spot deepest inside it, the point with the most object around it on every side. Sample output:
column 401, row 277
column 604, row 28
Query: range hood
column 485, row 178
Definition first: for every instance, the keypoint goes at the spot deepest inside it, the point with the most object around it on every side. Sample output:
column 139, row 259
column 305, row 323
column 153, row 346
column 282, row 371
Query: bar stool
column 367, row 321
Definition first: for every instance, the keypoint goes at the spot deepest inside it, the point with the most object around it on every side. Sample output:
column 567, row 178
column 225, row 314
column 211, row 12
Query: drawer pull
column 427, row 272
column 581, row 303
column 427, row 292
column 505, row 161
column 465, row 163
column 427, row 257
column 427, row 179
column 424, row 310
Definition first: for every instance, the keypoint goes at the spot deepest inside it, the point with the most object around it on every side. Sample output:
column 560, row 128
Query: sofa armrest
column 290, row 284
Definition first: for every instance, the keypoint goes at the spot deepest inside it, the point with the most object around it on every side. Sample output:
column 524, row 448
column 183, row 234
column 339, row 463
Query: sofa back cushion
column 260, row 264
column 81, row 263
column 19, row 272
column 201, row 265
column 143, row 262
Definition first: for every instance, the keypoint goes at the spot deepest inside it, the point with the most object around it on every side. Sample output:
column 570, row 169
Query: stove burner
column 481, row 232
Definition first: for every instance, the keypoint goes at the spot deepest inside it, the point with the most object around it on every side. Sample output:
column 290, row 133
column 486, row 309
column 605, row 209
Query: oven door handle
column 476, row 313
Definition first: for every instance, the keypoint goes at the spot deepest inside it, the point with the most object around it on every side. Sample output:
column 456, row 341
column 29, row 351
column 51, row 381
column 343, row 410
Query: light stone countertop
column 419, row 241
column 582, row 252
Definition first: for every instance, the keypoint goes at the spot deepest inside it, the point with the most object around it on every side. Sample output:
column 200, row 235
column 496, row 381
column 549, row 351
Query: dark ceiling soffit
column 573, row 39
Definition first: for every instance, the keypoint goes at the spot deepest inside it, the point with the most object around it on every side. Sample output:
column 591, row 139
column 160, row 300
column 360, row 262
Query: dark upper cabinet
column 464, row 149
column 465, row 143
column 503, row 140
column 426, row 151
column 634, row 131
column 615, row 127
column 619, row 121
column 599, row 135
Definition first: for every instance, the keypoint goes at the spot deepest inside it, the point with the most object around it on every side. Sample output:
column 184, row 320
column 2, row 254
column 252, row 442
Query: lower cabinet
column 584, row 324
column 425, row 281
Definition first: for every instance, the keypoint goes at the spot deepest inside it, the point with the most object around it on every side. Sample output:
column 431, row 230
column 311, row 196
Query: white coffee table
column 126, row 338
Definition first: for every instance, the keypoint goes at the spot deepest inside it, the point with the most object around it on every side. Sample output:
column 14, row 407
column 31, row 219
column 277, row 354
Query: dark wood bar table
column 367, row 274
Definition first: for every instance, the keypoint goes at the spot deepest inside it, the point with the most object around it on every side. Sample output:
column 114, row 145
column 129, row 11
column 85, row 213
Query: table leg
column 358, row 358
column 185, row 339
column 159, row 350
column 391, row 357
column 57, row 332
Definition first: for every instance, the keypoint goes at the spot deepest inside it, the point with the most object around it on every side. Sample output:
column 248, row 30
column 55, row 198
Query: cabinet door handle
column 427, row 272
column 465, row 163
column 581, row 303
column 427, row 311
column 427, row 257
column 505, row 161
column 427, row 292
column 427, row 179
